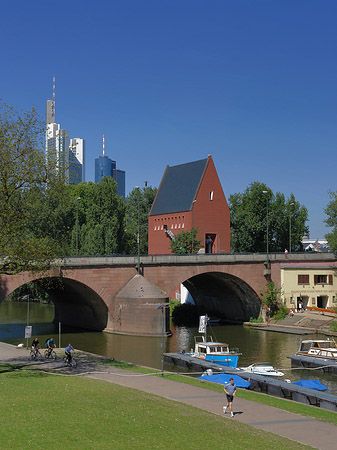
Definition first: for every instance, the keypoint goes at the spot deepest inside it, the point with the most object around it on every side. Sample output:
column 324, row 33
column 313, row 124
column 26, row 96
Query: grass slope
column 41, row 411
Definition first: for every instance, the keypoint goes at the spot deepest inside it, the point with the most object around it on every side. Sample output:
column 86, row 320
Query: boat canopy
column 311, row 384
column 223, row 378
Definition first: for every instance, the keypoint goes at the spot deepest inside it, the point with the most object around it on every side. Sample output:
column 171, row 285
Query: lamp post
column 77, row 200
column 194, row 201
column 138, row 240
column 266, row 193
column 291, row 204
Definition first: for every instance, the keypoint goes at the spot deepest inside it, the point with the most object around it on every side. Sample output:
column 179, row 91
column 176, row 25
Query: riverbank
column 307, row 322
column 259, row 416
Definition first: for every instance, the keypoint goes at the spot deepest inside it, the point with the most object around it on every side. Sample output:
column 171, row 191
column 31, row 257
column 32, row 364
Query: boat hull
column 224, row 360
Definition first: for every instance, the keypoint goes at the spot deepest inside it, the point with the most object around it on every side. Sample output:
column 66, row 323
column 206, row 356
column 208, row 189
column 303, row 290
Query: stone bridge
column 228, row 286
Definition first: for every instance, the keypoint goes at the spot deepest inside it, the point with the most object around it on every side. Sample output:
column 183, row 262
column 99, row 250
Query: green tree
column 23, row 170
column 84, row 219
column 331, row 221
column 101, row 218
column 182, row 244
column 144, row 198
column 53, row 215
column 249, row 220
column 271, row 298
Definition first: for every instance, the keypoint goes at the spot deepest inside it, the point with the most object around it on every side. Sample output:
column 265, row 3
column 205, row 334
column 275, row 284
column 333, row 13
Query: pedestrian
column 230, row 391
column 285, row 253
column 300, row 306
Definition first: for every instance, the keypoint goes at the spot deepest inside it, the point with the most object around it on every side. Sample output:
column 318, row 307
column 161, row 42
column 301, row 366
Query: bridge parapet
column 148, row 260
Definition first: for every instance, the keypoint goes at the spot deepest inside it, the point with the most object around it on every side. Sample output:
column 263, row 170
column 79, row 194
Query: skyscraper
column 119, row 176
column 57, row 148
column 106, row 167
column 67, row 157
column 76, row 160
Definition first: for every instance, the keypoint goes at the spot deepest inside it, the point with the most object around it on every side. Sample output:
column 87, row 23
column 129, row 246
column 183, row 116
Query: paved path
column 292, row 426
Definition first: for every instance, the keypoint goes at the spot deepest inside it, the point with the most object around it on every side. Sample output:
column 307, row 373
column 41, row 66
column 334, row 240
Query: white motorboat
column 263, row 369
column 320, row 348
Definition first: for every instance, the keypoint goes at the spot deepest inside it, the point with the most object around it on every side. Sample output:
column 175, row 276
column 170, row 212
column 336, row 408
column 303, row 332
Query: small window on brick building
column 320, row 279
column 211, row 195
column 303, row 279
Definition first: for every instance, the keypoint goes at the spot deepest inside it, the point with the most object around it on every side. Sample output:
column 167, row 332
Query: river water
column 255, row 345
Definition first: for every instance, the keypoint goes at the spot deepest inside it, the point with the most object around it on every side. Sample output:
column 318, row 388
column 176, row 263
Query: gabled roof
column 178, row 188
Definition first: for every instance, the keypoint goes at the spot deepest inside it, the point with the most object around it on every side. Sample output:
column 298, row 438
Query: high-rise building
column 106, row 167
column 119, row 176
column 66, row 156
column 57, row 148
column 76, row 160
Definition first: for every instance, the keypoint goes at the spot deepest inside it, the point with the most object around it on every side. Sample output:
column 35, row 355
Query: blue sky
column 252, row 82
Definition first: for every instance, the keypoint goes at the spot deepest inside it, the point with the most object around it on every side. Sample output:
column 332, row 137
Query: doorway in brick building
column 209, row 242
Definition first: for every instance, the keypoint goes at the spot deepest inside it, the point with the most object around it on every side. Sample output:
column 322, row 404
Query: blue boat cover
column 223, row 378
column 311, row 384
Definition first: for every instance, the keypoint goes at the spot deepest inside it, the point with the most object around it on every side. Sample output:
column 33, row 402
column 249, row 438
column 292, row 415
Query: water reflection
column 255, row 345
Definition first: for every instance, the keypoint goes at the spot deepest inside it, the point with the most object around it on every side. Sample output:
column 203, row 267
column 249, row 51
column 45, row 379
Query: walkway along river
column 255, row 345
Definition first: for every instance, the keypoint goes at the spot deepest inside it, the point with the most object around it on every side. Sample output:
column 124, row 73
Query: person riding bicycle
column 68, row 351
column 35, row 345
column 50, row 344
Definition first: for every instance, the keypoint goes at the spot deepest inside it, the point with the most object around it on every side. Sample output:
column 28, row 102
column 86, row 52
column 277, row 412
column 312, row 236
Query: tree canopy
column 186, row 242
column 23, row 170
column 331, row 221
column 249, row 220
column 144, row 197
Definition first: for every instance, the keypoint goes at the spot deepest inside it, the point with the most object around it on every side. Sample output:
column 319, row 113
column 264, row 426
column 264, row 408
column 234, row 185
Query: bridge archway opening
column 224, row 296
column 76, row 304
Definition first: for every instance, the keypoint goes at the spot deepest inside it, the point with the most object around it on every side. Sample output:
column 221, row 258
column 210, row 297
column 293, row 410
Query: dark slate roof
column 178, row 188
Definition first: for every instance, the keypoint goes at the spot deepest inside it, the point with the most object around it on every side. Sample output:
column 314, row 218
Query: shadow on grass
column 21, row 370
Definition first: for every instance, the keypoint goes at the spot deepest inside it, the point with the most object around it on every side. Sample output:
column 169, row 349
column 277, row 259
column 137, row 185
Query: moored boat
column 318, row 348
column 215, row 352
column 263, row 369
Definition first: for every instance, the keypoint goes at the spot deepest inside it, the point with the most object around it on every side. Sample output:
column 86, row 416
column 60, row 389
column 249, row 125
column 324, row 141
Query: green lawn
column 46, row 412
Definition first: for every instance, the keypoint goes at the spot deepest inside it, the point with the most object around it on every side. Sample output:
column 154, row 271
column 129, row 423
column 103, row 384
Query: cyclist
column 68, row 351
column 50, row 344
column 35, row 345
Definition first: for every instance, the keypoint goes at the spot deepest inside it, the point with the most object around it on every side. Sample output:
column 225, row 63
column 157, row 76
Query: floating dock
column 287, row 330
column 322, row 364
column 259, row 383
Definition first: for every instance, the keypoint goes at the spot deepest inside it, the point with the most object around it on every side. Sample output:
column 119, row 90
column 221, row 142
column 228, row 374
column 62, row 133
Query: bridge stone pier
column 83, row 289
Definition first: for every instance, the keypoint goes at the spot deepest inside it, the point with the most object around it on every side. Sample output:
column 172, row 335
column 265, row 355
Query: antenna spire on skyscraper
column 53, row 103
column 103, row 144
column 50, row 107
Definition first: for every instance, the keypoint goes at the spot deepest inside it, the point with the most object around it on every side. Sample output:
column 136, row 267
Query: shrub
column 281, row 313
column 173, row 305
column 257, row 320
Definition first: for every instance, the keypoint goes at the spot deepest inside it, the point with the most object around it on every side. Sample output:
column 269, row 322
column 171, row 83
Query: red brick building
column 190, row 195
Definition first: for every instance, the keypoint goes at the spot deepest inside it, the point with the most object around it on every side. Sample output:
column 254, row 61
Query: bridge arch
column 224, row 296
column 76, row 304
